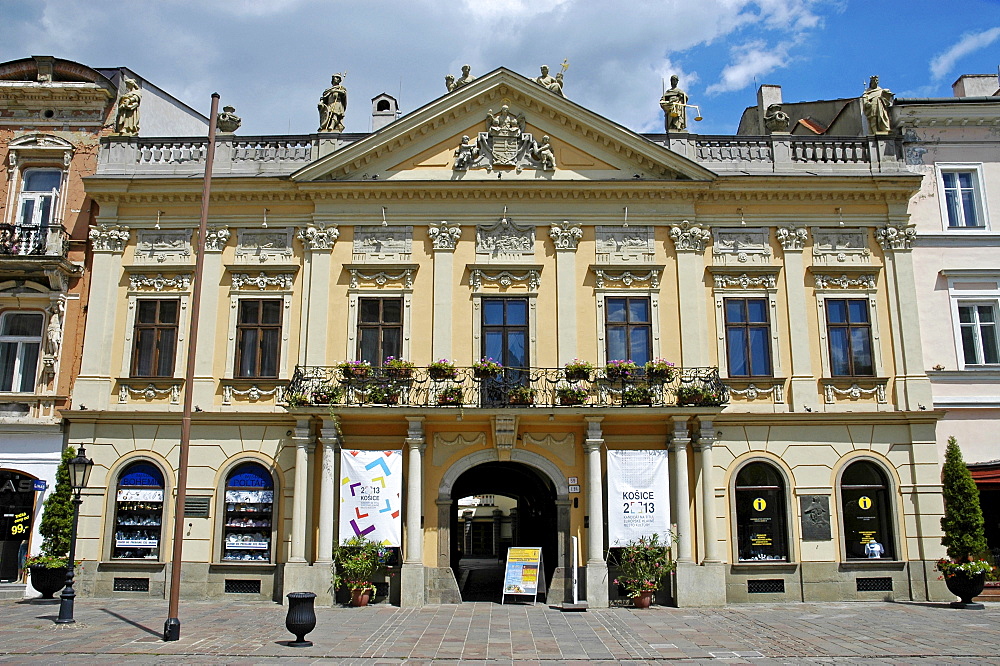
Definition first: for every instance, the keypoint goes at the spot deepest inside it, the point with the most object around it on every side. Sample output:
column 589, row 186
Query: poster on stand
column 371, row 487
column 638, row 495
column 524, row 573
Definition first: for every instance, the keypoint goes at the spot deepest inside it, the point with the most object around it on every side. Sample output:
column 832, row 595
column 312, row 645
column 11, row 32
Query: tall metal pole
column 172, row 627
column 68, row 595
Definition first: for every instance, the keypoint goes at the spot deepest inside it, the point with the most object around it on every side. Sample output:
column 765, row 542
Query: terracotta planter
column 47, row 581
column 439, row 374
column 644, row 600
column 520, row 400
column 483, row 373
column 660, row 375
column 577, row 375
column 965, row 587
column 569, row 401
column 356, row 372
column 360, row 596
column 398, row 373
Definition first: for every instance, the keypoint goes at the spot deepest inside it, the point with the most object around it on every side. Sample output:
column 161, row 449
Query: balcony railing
column 510, row 387
column 32, row 241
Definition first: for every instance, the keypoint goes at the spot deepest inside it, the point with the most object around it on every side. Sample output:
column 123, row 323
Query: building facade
column 503, row 221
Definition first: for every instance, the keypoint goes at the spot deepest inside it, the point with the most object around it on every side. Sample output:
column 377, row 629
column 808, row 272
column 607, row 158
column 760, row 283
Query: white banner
column 638, row 495
column 370, row 491
column 136, row 495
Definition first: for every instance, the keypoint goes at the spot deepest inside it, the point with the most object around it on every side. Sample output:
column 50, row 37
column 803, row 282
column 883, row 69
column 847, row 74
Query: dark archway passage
column 534, row 524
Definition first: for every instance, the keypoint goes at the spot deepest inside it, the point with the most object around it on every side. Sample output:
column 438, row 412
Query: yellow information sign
column 865, row 502
column 759, row 504
column 523, row 573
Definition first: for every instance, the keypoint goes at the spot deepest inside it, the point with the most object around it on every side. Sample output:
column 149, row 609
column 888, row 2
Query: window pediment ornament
column 159, row 282
column 382, row 244
column 605, row 277
column 444, row 235
column 825, row 281
column 741, row 245
column 479, row 277
column 567, row 235
column 38, row 145
column 893, row 237
column 216, row 239
column 689, row 237
column 791, row 237
column 839, row 246
column 157, row 246
column 263, row 280
column 382, row 277
column 109, row 238
column 318, row 236
column 746, row 281
column 262, row 245
column 620, row 244
column 505, row 240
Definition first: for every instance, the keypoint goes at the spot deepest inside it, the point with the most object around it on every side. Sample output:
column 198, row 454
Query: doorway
column 17, row 509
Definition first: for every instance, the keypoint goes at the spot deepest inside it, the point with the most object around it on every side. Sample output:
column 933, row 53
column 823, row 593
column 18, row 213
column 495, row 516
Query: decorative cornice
column 567, row 235
column 181, row 282
column 318, row 236
column 688, row 237
column 263, row 280
column 896, row 237
column 824, row 281
column 626, row 277
column 745, row 281
column 444, row 235
column 109, row 238
column 504, row 278
column 381, row 277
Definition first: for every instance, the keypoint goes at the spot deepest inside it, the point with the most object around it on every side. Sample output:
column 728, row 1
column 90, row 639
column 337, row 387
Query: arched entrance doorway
column 17, row 510
column 493, row 505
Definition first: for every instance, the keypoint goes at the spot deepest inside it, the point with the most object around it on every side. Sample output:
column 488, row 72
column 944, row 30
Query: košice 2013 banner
column 638, row 495
column 371, row 487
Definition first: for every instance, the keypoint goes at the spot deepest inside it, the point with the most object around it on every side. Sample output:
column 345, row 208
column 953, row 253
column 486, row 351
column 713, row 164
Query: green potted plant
column 642, row 565
column 637, row 395
column 577, row 370
column 355, row 564
column 486, row 368
column 296, row 399
column 327, row 394
column 696, row 394
column 521, row 395
column 964, row 570
column 660, row 370
column 355, row 369
column 48, row 570
column 617, row 370
column 383, row 394
column 441, row 369
column 397, row 368
column 571, row 395
column 450, row 396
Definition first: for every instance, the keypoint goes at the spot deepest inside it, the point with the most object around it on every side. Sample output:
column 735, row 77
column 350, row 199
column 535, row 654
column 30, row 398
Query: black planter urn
column 47, row 581
column 301, row 617
column 965, row 587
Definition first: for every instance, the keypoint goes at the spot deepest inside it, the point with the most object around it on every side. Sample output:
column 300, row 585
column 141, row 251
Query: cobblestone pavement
column 486, row 633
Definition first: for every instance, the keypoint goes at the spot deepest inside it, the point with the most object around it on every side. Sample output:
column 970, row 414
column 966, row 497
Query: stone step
column 12, row 590
column 990, row 593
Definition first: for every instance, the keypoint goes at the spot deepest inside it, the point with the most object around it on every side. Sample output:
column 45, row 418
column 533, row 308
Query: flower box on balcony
column 397, row 368
column 577, row 370
column 441, row 370
column 355, row 369
column 450, row 397
column 618, row 370
column 660, row 370
column 486, row 368
column 521, row 395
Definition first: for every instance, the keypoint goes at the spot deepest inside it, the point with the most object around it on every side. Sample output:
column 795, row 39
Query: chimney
column 766, row 96
column 385, row 109
column 976, row 85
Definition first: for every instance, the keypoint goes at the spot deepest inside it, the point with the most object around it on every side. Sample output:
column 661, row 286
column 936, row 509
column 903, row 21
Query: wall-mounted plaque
column 815, row 510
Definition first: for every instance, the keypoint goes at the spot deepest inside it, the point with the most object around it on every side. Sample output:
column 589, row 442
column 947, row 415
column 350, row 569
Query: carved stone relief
column 109, row 238
column 402, row 277
column 446, row 444
column 741, row 245
column 156, row 246
column 504, row 431
column 833, row 246
column 158, row 282
column 566, row 236
column 504, row 144
column 505, row 240
column 624, row 244
column 530, row 278
column 896, row 237
column 318, row 236
column 745, row 281
column 688, row 237
column 263, row 245
column 444, row 235
column 263, row 280
column 844, row 281
column 216, row 239
column 383, row 243
column 791, row 238
column 608, row 277
column 815, row 510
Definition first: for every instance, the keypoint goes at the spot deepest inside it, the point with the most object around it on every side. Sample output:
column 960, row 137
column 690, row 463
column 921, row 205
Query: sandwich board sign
column 523, row 575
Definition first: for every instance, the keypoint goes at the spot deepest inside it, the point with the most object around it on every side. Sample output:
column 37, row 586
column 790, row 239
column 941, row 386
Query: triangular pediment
column 502, row 125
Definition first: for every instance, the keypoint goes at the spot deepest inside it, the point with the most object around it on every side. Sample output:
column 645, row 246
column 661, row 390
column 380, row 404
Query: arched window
column 138, row 513
column 866, row 512
column 247, row 530
column 761, row 520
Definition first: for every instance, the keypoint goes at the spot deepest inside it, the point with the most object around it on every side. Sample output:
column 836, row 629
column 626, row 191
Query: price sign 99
column 20, row 524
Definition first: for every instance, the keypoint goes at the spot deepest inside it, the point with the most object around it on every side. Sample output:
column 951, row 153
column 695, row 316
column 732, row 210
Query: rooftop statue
column 333, row 105
column 776, row 120
column 127, row 118
column 452, row 83
column 674, row 105
column 552, row 83
column 875, row 102
column 228, row 122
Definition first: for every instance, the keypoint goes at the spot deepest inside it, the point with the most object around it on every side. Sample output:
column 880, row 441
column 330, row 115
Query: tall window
column 850, row 335
column 505, row 331
column 138, row 513
column 247, row 526
column 761, row 529
column 748, row 336
column 978, row 322
column 961, row 198
column 866, row 512
column 629, row 329
column 258, row 338
column 38, row 197
column 20, row 346
column 155, row 338
column 380, row 329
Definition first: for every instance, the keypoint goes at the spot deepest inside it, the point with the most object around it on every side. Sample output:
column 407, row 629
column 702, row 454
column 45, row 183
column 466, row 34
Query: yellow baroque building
column 502, row 221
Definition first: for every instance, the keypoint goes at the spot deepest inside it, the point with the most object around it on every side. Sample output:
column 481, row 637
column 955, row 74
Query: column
column 566, row 237
column 300, row 497
column 330, row 441
column 444, row 236
column 681, row 488
column 412, row 575
column 597, row 567
column 713, row 548
column 802, row 390
column 689, row 245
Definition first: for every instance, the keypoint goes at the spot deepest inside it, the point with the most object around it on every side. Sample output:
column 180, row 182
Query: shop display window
column 249, row 502
column 867, row 512
column 139, row 513
column 760, row 514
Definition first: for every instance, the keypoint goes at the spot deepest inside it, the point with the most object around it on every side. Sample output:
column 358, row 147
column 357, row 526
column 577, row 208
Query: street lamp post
column 79, row 474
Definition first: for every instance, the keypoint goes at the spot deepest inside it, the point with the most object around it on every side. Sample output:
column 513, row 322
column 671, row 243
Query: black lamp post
column 79, row 474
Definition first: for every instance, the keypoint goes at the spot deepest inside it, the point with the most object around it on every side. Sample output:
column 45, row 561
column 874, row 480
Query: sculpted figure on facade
column 127, row 117
column 543, row 153
column 875, row 102
column 228, row 122
column 465, row 154
column 776, row 120
column 452, row 83
column 674, row 105
column 332, row 106
column 552, row 83
column 53, row 332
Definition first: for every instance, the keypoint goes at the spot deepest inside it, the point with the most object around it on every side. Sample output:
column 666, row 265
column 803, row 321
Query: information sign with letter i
column 524, row 575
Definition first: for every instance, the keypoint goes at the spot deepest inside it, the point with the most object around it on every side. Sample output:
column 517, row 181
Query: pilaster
column 444, row 237
column 204, row 386
column 802, row 389
column 304, row 446
column 566, row 237
column 689, row 245
column 329, row 439
column 318, row 239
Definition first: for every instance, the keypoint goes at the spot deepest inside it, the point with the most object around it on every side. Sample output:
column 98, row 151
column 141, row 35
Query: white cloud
column 945, row 62
column 750, row 60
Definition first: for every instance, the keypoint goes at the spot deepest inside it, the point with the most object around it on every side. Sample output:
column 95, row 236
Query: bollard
column 301, row 617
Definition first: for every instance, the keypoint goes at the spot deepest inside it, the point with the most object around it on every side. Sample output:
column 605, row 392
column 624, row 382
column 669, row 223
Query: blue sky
column 271, row 59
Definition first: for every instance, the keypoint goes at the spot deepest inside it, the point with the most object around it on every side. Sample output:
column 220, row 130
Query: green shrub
column 57, row 512
column 963, row 517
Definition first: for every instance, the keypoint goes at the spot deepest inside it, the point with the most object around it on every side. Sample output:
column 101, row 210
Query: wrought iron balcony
column 510, row 387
